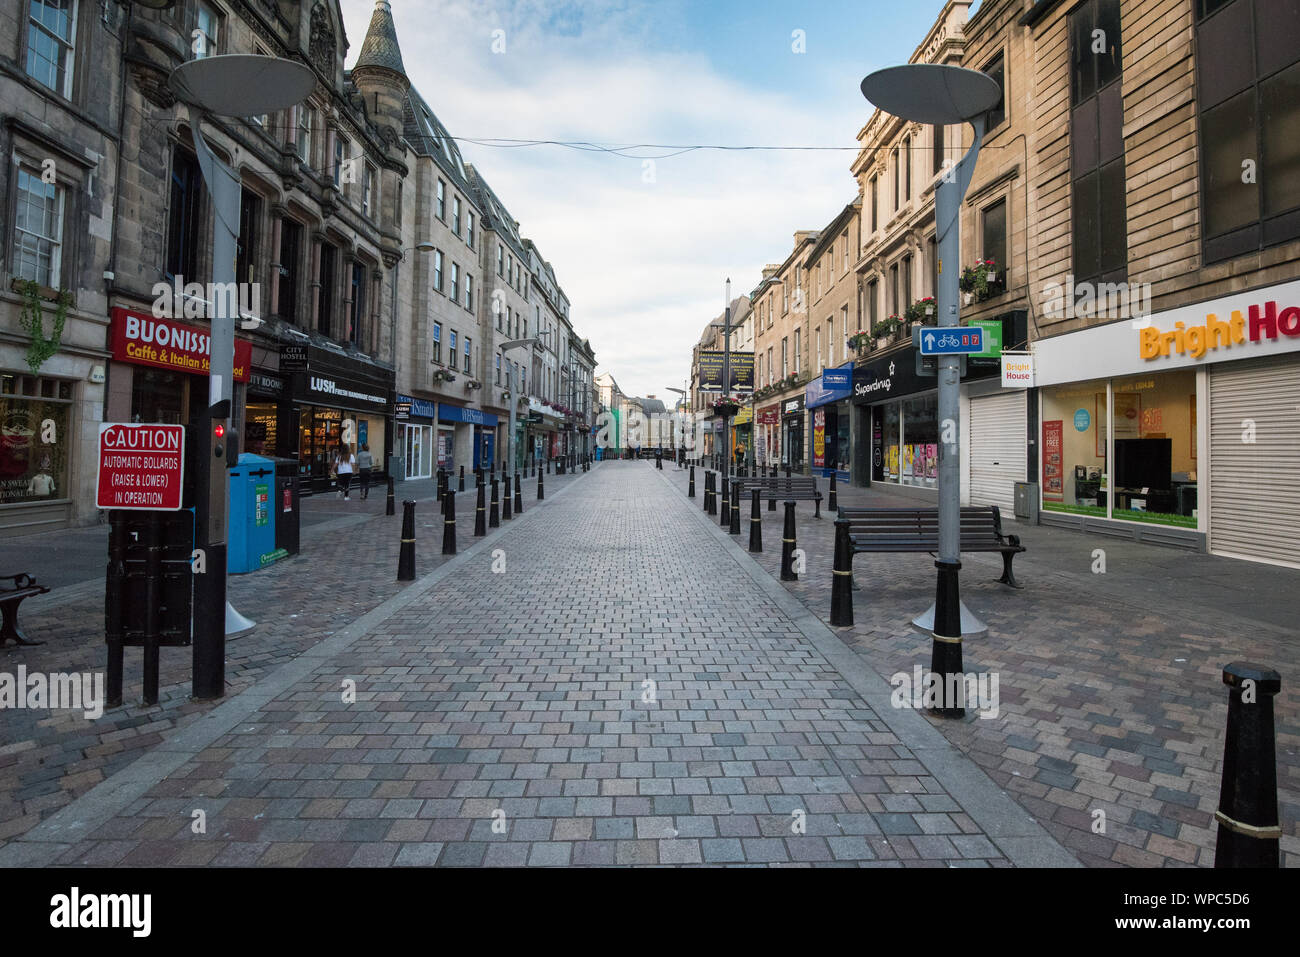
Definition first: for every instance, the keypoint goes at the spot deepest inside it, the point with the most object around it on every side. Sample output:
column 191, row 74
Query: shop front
column 792, row 433
column 742, row 437
column 264, row 408
column 830, row 409
column 338, row 401
column 415, row 420
column 1181, row 428
column 467, row 437
column 900, row 414
column 768, row 434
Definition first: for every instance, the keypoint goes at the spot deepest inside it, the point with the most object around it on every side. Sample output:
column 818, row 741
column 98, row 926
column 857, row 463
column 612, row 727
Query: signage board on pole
column 141, row 466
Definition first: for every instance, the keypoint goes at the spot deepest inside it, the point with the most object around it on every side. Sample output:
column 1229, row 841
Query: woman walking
column 345, row 465
column 365, row 462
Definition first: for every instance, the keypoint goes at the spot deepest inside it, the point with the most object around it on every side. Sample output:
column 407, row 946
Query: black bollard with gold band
column 494, row 512
column 460, row 487
column 708, row 492
column 945, row 654
column 724, row 519
column 505, row 500
column 842, row 576
column 787, row 546
column 519, row 494
column 735, row 508
column 1249, row 828
column 406, row 556
column 390, row 506
column 449, row 522
column 690, row 490
column 831, row 502
column 541, row 491
column 755, row 522
column 480, row 513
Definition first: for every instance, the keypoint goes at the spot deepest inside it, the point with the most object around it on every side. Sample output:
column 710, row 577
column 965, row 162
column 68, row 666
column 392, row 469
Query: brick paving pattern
column 506, row 719
column 347, row 566
column 1110, row 685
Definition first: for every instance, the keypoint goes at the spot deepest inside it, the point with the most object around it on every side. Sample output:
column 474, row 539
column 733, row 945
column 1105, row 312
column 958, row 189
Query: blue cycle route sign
column 952, row 340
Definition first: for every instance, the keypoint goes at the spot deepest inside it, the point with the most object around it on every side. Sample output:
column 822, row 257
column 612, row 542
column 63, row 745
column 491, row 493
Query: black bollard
column 478, row 477
column 945, row 653
column 1249, row 829
column 494, row 513
column 787, row 469
column 441, row 485
column 724, row 519
column 460, row 487
column 449, row 523
column 480, row 513
column 787, row 546
column 842, row 576
column 541, row 491
column 690, row 490
column 831, row 503
column 406, row 558
column 519, row 495
column 755, row 522
column 708, row 492
column 505, row 500
column 735, row 508
column 390, row 507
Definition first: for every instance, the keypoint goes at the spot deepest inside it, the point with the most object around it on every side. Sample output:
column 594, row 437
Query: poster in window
column 1053, row 470
column 819, row 438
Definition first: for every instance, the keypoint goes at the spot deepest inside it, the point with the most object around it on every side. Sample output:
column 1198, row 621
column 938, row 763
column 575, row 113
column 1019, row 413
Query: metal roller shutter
column 1254, row 492
column 997, row 449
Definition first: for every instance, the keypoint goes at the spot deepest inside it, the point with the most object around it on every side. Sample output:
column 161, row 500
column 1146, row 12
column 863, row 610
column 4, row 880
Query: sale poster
column 819, row 438
column 932, row 461
column 1053, row 470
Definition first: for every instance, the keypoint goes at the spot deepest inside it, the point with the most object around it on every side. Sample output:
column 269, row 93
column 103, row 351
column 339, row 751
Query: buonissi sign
column 165, row 344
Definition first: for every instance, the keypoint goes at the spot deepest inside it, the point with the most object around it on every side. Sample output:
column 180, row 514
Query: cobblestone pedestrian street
column 602, row 682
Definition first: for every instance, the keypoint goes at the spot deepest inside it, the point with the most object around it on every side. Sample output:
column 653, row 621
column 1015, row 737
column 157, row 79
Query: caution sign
column 140, row 466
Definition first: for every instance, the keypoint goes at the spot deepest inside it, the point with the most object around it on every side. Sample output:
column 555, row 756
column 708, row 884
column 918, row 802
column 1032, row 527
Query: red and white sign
column 165, row 344
column 140, row 466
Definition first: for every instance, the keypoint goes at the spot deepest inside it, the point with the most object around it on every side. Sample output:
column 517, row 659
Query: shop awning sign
column 141, row 466
column 151, row 341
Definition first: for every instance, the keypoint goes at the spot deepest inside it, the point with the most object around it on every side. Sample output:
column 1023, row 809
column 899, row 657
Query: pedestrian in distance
column 365, row 462
column 345, row 465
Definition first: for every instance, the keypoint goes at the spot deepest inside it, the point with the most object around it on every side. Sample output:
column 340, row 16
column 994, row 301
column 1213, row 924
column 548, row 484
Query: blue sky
column 643, row 252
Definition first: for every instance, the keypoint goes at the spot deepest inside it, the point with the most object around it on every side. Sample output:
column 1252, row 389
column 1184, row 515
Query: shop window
column 1248, row 90
column 51, row 39
column 260, row 428
column 38, row 229
column 158, row 396
column 31, row 469
column 919, row 448
column 183, row 216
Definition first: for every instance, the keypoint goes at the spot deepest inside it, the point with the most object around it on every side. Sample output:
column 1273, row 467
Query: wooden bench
column 911, row 530
column 24, row 586
column 796, row 488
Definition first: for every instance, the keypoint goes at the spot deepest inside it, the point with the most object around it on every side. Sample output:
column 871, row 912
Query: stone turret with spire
column 379, row 73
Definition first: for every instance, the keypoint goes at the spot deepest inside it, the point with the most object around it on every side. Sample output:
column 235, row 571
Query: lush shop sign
column 165, row 344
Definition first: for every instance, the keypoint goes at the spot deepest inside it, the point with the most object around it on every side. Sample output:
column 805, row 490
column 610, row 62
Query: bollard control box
column 252, row 515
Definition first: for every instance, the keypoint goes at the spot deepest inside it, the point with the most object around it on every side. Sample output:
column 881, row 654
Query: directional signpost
column 950, row 341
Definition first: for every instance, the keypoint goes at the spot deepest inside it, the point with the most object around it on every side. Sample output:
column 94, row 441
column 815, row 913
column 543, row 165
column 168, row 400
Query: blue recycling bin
column 252, row 516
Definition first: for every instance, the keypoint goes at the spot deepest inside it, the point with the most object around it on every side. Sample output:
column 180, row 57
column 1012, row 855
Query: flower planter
column 726, row 409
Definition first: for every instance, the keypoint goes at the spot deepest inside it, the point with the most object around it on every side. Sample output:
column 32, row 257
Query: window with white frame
column 368, row 194
column 206, row 38
column 469, row 292
column 51, row 39
column 306, row 120
column 340, row 157
column 455, row 285
column 437, row 342
column 455, row 215
column 469, row 229
column 442, row 201
column 38, row 229
column 437, row 269
column 469, row 351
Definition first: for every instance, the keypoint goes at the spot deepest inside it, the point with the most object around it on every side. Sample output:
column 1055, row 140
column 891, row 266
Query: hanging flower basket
column 983, row 280
column 726, row 408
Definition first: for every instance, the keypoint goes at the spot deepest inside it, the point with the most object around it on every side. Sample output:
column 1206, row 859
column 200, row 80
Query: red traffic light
column 219, row 430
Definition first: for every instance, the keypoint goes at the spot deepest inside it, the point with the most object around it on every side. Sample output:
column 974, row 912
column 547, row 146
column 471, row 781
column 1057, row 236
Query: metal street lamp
column 939, row 94
column 231, row 85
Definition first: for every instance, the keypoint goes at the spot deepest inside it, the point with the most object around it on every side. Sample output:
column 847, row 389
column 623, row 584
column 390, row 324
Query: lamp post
column 934, row 93
column 230, row 85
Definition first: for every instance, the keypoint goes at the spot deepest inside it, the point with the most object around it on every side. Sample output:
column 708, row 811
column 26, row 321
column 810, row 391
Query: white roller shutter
column 1254, row 492
column 997, row 449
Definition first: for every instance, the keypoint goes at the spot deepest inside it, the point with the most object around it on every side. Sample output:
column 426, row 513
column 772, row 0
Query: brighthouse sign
column 1260, row 323
column 140, row 466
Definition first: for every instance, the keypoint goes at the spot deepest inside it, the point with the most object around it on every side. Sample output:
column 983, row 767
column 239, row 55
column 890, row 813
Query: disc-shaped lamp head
column 241, row 84
column 932, row 92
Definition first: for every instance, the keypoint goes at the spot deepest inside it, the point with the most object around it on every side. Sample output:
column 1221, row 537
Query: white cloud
column 643, row 264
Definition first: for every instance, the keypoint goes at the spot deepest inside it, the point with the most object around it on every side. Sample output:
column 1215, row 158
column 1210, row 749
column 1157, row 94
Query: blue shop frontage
column 437, row 435
column 829, row 418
